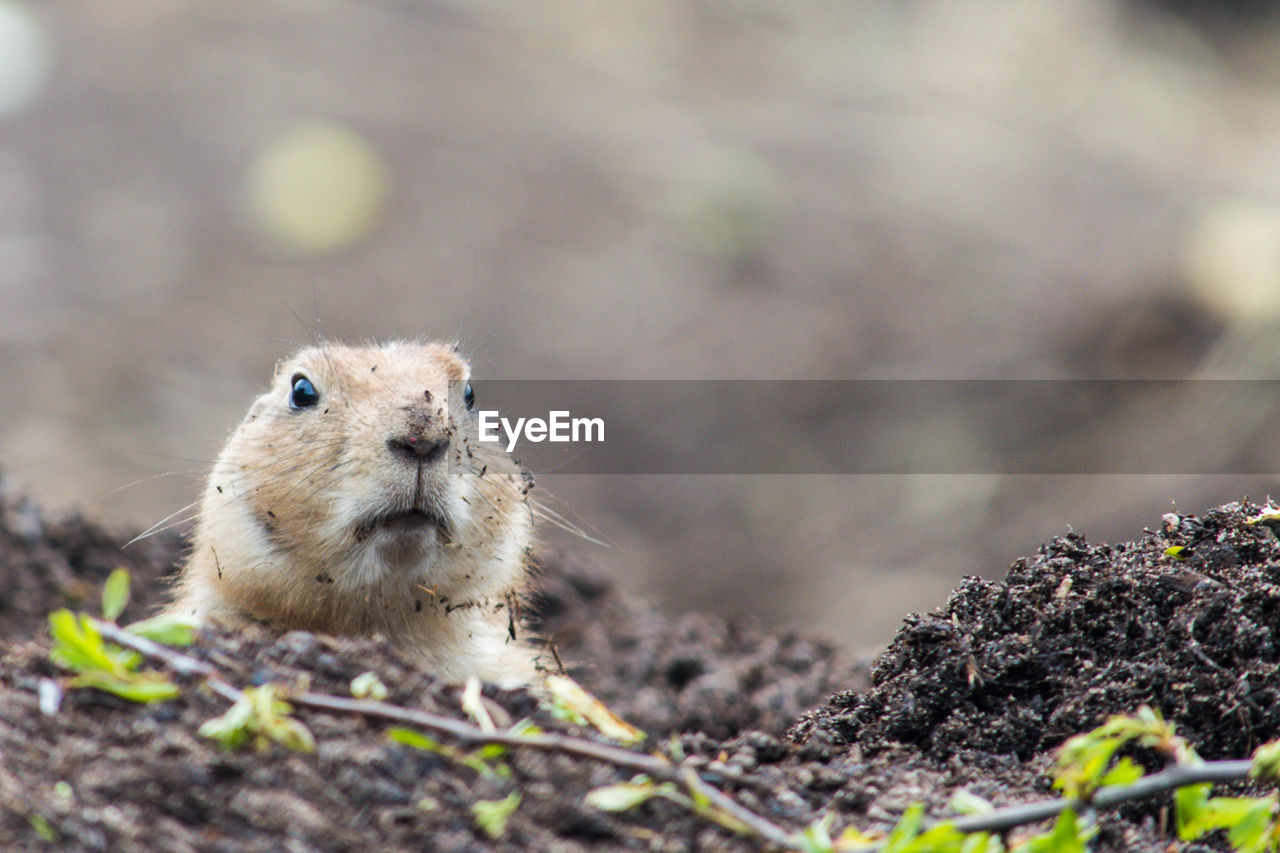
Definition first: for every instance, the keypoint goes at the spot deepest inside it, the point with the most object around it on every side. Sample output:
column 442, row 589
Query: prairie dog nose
column 417, row 447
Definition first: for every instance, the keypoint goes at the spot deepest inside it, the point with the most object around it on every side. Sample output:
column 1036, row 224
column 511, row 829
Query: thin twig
column 654, row 765
column 177, row 661
column 470, row 734
column 761, row 825
column 1170, row 779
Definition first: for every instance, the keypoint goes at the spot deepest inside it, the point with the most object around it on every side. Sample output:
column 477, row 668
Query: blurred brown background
column 652, row 189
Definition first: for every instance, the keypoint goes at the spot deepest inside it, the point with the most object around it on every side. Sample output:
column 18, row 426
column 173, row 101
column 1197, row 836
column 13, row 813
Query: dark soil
column 976, row 695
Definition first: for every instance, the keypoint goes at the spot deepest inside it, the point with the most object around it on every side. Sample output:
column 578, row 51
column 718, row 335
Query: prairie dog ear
column 264, row 404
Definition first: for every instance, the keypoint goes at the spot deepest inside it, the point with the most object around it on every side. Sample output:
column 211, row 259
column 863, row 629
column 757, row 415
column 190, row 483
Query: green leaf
column 1251, row 831
column 816, row 837
column 79, row 646
column 115, row 594
column 481, row 760
column 1266, row 762
column 42, row 828
column 1177, row 552
column 478, row 763
column 980, row 842
column 943, row 837
column 1228, row 811
column 136, row 687
column 1248, row 820
column 1190, row 803
column 292, row 734
column 1084, row 761
column 262, row 716
column 855, row 839
column 1068, row 835
column 965, row 803
column 526, row 728
column 1124, row 772
column 478, row 760
column 415, row 739
column 231, row 729
column 907, row 829
column 166, row 629
column 623, row 796
column 492, row 815
column 698, row 797
column 490, row 751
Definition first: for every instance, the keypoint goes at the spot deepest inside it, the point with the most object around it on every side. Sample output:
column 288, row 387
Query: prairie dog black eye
column 469, row 397
column 304, row 395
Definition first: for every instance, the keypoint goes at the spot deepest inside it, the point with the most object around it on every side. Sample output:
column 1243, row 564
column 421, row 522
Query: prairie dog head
column 356, row 498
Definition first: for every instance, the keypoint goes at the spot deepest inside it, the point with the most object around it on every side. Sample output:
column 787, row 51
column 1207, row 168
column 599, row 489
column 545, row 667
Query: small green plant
column 628, row 795
column 1250, row 822
column 259, row 717
column 1090, row 772
column 1265, row 765
column 1086, row 766
column 492, row 815
column 1085, row 762
column 115, row 594
column 625, row 796
column 1068, row 835
column 483, row 760
column 78, row 646
column 43, row 828
column 911, row 836
column 166, row 629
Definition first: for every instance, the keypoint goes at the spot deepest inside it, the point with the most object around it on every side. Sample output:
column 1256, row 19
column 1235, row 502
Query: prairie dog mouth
column 403, row 521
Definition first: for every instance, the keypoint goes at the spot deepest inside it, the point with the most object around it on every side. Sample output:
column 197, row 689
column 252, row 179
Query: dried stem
column 1171, row 779
column 655, row 766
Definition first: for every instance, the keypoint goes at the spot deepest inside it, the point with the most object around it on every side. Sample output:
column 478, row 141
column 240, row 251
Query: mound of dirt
column 1079, row 632
column 976, row 695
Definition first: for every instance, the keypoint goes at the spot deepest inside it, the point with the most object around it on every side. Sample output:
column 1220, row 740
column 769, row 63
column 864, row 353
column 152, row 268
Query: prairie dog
column 356, row 499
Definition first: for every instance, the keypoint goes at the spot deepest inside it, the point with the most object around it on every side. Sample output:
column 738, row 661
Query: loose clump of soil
column 976, row 695
column 1078, row 632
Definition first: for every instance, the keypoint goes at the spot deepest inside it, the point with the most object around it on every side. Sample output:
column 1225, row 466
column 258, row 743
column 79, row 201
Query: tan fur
column 286, row 535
